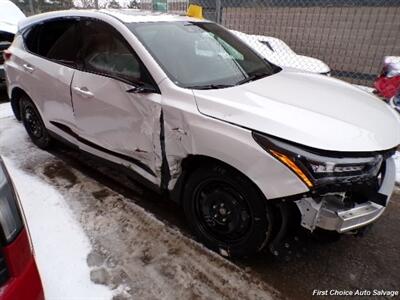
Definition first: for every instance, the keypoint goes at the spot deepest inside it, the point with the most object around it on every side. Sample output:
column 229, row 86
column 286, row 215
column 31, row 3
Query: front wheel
column 33, row 124
column 226, row 211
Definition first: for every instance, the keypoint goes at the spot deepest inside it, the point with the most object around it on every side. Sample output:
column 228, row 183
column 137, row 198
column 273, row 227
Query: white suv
column 198, row 115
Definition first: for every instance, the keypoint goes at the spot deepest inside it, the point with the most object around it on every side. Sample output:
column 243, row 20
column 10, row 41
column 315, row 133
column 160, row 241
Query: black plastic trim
column 70, row 132
column 4, row 273
column 3, row 240
column 166, row 175
column 77, row 65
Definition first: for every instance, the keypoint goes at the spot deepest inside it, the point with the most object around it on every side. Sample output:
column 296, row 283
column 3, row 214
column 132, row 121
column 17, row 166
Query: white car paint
column 10, row 15
column 280, row 54
column 292, row 113
column 145, row 132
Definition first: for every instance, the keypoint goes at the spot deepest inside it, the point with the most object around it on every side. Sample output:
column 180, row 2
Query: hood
column 309, row 109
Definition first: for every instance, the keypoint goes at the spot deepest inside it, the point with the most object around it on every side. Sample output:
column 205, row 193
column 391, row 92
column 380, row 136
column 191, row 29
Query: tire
column 33, row 124
column 226, row 211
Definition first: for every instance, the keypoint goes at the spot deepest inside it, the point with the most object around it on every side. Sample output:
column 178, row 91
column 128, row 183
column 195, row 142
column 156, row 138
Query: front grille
column 347, row 184
column 4, row 275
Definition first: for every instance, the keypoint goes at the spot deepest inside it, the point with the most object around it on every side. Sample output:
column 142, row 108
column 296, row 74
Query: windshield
column 201, row 55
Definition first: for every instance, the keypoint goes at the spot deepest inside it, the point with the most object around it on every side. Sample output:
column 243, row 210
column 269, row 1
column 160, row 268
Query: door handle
column 28, row 68
column 83, row 92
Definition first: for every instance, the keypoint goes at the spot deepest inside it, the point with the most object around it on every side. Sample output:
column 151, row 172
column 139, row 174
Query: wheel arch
column 192, row 162
column 16, row 95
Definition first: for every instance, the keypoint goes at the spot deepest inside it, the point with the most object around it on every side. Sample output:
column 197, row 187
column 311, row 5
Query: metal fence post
column 218, row 11
column 31, row 7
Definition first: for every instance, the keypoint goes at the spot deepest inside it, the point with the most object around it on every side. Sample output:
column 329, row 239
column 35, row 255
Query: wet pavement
column 353, row 263
column 3, row 93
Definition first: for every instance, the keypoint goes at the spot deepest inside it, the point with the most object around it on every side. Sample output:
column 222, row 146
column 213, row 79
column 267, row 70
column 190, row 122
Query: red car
column 388, row 82
column 19, row 276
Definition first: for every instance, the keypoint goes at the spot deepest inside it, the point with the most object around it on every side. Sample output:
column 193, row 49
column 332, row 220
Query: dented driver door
column 115, row 120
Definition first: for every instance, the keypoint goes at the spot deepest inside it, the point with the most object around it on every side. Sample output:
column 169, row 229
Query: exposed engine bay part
column 329, row 212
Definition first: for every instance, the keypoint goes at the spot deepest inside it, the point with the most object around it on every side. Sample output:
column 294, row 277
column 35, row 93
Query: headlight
column 315, row 167
column 10, row 219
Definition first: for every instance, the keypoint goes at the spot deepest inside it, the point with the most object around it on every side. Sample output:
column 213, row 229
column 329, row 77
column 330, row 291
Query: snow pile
column 60, row 245
column 5, row 110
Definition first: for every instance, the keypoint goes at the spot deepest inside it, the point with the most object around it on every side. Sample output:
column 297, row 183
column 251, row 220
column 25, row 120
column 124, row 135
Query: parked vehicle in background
column 395, row 101
column 192, row 111
column 10, row 15
column 19, row 277
column 388, row 82
column 279, row 53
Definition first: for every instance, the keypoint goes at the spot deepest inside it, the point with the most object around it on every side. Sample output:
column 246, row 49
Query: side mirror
column 142, row 89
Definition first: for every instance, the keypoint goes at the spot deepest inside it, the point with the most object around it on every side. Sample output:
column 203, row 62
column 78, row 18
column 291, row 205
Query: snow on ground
column 61, row 247
column 5, row 110
column 60, row 244
column 130, row 250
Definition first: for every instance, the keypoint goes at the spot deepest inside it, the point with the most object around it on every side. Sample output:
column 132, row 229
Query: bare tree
column 133, row 4
column 88, row 3
column 113, row 4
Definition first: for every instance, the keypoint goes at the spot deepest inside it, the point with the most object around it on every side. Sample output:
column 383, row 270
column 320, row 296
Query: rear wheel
column 226, row 211
column 33, row 123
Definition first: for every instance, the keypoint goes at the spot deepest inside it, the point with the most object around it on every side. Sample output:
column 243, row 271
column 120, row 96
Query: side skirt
column 127, row 171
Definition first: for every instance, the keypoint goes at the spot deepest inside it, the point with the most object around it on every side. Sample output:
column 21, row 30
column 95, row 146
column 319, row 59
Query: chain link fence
column 349, row 36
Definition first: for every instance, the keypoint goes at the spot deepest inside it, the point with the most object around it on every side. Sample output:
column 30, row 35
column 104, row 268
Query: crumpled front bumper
column 327, row 215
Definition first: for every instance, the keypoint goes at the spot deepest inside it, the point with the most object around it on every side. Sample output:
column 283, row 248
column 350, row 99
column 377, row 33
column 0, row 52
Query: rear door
column 114, row 122
column 47, row 68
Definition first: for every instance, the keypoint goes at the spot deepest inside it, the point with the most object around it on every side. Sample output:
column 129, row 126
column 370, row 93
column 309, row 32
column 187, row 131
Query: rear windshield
column 201, row 54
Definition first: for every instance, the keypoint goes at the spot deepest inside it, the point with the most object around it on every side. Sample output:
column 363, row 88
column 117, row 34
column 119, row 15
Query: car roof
column 136, row 15
column 123, row 15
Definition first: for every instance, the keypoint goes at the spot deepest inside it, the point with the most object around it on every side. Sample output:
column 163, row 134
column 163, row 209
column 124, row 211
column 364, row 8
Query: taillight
column 6, row 55
column 10, row 218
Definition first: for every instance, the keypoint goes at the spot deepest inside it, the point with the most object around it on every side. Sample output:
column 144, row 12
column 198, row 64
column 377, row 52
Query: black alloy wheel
column 226, row 211
column 33, row 123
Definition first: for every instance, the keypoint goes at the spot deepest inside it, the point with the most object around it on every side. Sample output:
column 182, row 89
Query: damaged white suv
column 197, row 114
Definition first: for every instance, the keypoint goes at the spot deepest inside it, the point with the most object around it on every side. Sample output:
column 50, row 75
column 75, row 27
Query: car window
column 105, row 51
column 201, row 54
column 56, row 40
